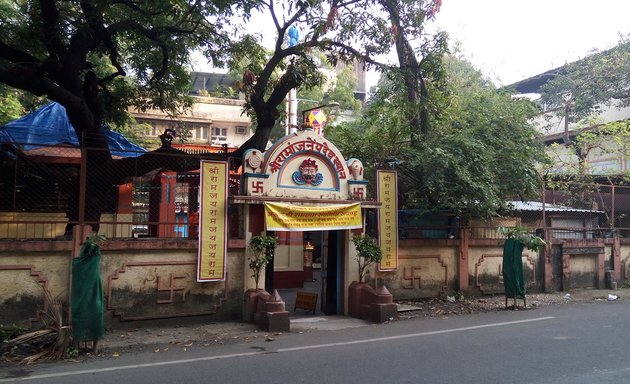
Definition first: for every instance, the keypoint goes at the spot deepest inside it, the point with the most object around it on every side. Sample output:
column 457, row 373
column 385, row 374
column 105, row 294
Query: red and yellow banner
column 387, row 192
column 287, row 217
column 213, row 221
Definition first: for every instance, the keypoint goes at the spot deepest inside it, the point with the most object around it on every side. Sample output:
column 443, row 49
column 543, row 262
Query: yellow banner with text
column 287, row 217
column 213, row 221
column 387, row 192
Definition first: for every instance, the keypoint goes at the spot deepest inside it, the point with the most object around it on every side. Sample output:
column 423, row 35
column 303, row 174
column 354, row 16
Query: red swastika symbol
column 257, row 187
column 358, row 192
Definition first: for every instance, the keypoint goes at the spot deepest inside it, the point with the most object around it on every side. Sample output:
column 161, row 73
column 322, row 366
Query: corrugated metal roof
column 537, row 206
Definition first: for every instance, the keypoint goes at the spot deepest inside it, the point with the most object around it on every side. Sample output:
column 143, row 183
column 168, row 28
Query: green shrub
column 8, row 332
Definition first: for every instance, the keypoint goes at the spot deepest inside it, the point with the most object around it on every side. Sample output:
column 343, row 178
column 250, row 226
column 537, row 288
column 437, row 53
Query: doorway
column 331, row 275
column 326, row 279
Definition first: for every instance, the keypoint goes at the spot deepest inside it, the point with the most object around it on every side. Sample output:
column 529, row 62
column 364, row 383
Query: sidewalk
column 231, row 332
column 116, row 342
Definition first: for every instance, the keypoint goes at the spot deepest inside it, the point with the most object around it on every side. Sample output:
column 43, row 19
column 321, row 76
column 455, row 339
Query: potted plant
column 524, row 236
column 263, row 248
column 360, row 293
column 368, row 252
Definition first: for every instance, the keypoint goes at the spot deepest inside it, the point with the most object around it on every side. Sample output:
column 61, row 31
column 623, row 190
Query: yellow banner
column 387, row 191
column 212, row 221
column 287, row 217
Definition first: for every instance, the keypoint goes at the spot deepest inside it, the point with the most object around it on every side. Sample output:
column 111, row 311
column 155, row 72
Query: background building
column 211, row 123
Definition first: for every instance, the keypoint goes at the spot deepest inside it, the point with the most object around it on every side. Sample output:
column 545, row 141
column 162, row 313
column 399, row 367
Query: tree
column 583, row 89
column 340, row 91
column 263, row 248
column 574, row 175
column 368, row 252
column 10, row 107
column 98, row 58
column 356, row 30
column 577, row 94
column 408, row 21
column 480, row 151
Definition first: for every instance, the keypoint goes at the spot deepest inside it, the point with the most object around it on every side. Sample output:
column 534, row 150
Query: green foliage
column 263, row 248
column 571, row 170
column 582, row 88
column 110, row 55
column 99, row 59
column 343, row 91
column 578, row 93
column 72, row 352
column 477, row 136
column 530, row 241
column 10, row 106
column 96, row 239
column 8, row 332
column 368, row 252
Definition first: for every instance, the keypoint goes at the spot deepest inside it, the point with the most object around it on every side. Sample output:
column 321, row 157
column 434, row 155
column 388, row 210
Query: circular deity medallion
column 254, row 161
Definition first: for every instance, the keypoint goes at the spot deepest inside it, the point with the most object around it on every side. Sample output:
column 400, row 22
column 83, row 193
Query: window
column 181, row 197
column 241, row 130
column 219, row 134
column 140, row 202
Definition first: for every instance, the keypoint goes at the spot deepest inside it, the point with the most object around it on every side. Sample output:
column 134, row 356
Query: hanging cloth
column 87, row 294
column 513, row 268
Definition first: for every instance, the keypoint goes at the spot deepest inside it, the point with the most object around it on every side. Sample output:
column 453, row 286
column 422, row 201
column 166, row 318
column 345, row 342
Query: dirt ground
column 180, row 338
column 445, row 307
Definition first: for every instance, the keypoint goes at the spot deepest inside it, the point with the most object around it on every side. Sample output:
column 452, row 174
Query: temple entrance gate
column 299, row 188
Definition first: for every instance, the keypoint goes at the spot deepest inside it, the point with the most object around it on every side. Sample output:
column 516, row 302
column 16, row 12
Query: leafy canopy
column 479, row 153
column 583, row 89
column 110, row 55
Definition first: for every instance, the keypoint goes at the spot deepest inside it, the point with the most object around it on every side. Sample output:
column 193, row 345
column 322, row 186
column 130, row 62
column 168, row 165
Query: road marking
column 281, row 350
column 412, row 335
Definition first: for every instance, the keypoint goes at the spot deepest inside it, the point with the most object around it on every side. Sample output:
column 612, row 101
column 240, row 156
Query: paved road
column 581, row 343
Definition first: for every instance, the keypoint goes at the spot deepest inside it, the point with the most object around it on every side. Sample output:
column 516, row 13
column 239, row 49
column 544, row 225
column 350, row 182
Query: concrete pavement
column 230, row 332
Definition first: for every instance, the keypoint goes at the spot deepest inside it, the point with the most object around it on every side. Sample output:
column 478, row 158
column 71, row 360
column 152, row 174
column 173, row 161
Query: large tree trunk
column 416, row 89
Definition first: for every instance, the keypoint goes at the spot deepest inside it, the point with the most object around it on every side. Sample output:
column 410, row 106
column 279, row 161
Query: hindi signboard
column 387, row 192
column 212, row 221
column 288, row 217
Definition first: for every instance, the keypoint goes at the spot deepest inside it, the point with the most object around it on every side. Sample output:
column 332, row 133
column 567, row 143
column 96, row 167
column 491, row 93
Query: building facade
column 211, row 123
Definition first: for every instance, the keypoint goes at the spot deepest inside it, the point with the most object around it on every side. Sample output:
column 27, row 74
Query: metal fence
column 45, row 190
column 575, row 211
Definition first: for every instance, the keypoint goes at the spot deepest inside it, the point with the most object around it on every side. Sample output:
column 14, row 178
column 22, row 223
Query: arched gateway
column 304, row 192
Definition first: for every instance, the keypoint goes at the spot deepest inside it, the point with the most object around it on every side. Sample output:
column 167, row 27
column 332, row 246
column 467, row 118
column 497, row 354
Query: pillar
column 464, row 244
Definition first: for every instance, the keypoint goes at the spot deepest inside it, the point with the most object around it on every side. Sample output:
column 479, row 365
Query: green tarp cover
column 87, row 294
column 513, row 268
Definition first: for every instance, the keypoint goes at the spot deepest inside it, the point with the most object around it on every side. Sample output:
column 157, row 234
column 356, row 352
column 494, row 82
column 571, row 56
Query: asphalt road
column 576, row 343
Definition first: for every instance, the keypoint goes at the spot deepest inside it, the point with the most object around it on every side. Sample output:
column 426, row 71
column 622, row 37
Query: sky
column 511, row 40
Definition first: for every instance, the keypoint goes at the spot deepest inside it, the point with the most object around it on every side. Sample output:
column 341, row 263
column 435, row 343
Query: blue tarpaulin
column 49, row 125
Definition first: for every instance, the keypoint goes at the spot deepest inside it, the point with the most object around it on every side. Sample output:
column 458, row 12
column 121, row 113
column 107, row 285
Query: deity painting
column 308, row 173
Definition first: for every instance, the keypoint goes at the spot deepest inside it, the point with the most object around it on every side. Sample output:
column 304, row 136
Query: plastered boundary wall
column 155, row 279
column 142, row 280
column 434, row 268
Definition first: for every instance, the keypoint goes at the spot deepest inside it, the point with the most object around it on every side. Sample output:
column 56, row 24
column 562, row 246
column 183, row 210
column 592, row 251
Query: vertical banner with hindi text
column 387, row 192
column 212, row 221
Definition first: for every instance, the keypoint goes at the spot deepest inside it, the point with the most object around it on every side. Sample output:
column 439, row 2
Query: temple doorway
column 321, row 273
